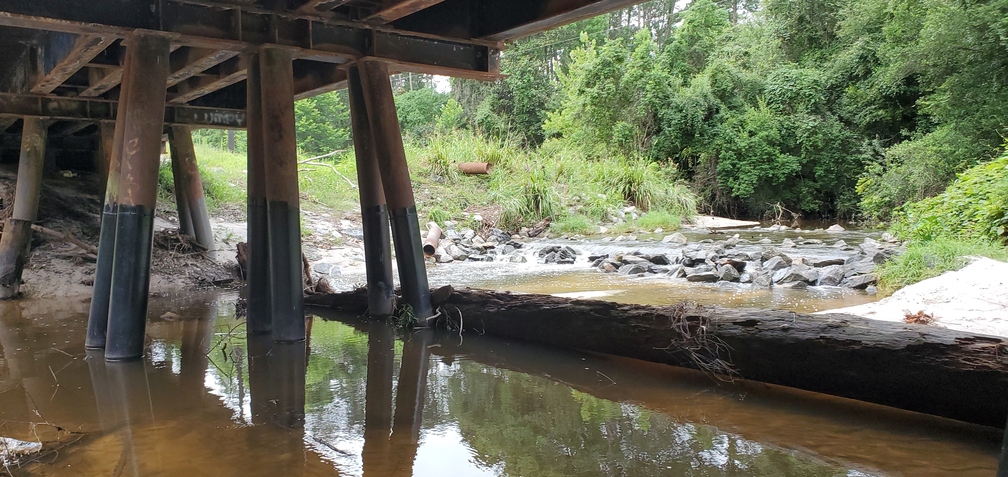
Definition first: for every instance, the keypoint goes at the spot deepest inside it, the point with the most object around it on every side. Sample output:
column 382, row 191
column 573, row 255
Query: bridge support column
column 102, row 289
column 189, row 186
column 396, row 184
column 16, row 240
column 374, row 211
column 282, row 209
column 259, row 315
column 137, row 195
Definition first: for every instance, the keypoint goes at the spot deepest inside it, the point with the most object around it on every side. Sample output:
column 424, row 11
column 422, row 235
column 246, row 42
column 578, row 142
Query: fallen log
column 942, row 372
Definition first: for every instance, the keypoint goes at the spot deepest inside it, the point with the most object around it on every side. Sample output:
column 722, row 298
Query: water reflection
column 368, row 400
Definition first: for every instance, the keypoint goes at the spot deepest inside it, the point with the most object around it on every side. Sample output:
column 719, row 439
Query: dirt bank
column 71, row 205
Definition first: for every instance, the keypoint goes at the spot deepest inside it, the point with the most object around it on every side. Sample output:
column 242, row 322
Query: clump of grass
column 536, row 200
column 573, row 224
column 660, row 219
column 927, row 259
column 439, row 158
column 635, row 180
column 438, row 215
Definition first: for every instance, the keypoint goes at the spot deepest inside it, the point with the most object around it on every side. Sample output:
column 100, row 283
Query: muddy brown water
column 364, row 399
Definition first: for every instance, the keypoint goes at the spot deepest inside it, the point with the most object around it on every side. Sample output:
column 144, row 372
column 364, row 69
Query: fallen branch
column 313, row 161
column 90, row 249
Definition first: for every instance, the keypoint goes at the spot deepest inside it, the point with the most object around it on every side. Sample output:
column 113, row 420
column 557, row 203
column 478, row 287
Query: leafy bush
column 973, row 207
column 914, row 170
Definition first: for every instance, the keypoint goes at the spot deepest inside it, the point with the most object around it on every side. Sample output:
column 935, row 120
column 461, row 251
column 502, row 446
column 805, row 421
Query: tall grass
column 927, row 259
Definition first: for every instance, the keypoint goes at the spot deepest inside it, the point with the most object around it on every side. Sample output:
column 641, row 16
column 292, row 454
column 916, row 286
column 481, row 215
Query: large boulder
column 831, row 276
column 859, row 282
column 703, row 277
column 728, row 273
column 835, row 228
column 676, row 238
column 796, row 273
column 632, row 269
column 775, row 263
column 825, row 262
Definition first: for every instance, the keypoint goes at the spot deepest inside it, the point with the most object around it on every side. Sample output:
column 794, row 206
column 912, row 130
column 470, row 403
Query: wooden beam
column 191, row 61
column 84, row 49
column 392, row 10
column 228, row 73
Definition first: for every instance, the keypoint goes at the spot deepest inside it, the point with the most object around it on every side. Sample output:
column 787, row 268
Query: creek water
column 365, row 399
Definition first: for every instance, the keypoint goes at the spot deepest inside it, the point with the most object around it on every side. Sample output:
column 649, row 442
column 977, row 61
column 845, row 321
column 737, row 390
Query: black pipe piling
column 16, row 240
column 141, row 151
column 374, row 211
column 395, row 178
column 259, row 314
column 102, row 289
column 282, row 201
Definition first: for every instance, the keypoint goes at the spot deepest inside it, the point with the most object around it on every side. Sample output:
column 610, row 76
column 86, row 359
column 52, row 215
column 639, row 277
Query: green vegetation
column 929, row 258
column 969, row 219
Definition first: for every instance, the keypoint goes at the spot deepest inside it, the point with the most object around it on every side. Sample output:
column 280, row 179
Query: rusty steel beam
column 102, row 82
column 6, row 123
column 191, row 61
column 239, row 28
column 323, row 78
column 319, row 6
column 228, row 73
column 392, row 10
column 84, row 49
column 509, row 19
column 81, row 109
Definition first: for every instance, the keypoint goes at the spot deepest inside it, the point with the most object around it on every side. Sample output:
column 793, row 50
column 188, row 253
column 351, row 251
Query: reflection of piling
column 197, row 336
column 130, row 405
column 261, row 394
column 141, row 151
column 396, row 184
column 16, row 240
column 283, row 212
column 374, row 211
column 259, row 318
column 276, row 381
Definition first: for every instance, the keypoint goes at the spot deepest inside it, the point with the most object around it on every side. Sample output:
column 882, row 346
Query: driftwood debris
column 946, row 373
column 91, row 250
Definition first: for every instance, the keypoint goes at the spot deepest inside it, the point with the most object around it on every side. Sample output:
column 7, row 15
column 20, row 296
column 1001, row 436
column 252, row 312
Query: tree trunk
column 920, row 368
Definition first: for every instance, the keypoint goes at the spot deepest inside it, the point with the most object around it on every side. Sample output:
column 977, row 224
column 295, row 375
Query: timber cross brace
column 98, row 83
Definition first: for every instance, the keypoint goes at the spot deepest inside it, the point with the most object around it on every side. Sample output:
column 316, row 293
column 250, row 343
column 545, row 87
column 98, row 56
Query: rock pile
column 464, row 244
column 767, row 267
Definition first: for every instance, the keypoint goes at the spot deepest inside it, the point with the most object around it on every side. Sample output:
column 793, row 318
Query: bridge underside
column 97, row 84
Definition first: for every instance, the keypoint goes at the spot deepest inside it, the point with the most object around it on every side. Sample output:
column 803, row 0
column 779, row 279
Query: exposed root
column 919, row 318
column 709, row 353
column 173, row 241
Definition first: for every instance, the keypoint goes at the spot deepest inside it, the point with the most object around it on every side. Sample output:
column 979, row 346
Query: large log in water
column 947, row 373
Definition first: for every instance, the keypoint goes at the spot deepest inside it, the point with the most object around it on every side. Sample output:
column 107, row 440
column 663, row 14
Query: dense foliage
column 824, row 107
column 974, row 207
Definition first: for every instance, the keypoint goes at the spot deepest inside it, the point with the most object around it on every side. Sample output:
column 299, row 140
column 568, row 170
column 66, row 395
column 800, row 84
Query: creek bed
column 203, row 403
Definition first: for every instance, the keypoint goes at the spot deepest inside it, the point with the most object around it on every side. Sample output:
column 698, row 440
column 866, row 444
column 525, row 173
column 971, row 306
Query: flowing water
column 364, row 399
